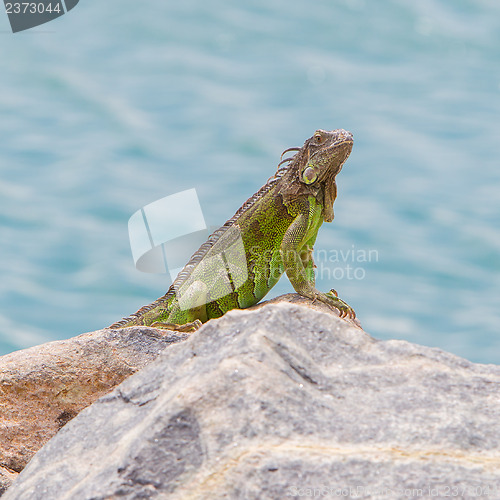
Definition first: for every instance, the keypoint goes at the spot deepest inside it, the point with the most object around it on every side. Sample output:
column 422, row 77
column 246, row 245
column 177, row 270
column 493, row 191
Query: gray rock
column 44, row 387
column 282, row 402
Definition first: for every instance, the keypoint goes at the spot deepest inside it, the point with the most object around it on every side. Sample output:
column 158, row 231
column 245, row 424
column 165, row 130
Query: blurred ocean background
column 119, row 103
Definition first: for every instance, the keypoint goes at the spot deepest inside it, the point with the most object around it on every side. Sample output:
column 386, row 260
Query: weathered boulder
column 295, row 298
column 43, row 387
column 282, row 402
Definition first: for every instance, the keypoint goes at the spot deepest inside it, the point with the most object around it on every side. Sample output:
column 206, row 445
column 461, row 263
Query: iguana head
column 315, row 166
column 326, row 153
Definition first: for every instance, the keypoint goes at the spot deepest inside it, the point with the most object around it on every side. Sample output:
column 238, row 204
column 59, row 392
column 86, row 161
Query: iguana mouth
column 345, row 136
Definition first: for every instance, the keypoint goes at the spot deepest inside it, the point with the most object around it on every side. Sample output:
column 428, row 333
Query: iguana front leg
column 298, row 264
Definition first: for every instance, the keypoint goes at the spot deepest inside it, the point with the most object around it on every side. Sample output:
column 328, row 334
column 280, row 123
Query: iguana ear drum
column 309, row 175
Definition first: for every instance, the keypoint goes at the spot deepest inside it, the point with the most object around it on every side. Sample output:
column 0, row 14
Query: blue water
column 119, row 103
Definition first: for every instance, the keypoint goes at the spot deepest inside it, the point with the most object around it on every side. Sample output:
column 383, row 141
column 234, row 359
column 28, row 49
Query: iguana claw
column 345, row 310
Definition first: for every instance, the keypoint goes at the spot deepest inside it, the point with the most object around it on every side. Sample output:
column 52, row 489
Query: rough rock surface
column 43, row 387
column 282, row 402
column 295, row 298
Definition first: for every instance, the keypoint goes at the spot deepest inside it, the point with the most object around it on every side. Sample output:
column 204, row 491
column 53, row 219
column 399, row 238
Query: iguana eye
column 318, row 138
column 309, row 175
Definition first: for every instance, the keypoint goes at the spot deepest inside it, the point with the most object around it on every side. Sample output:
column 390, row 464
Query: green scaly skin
column 273, row 232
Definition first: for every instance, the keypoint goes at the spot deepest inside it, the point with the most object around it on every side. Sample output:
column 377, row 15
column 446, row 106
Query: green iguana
column 273, row 232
